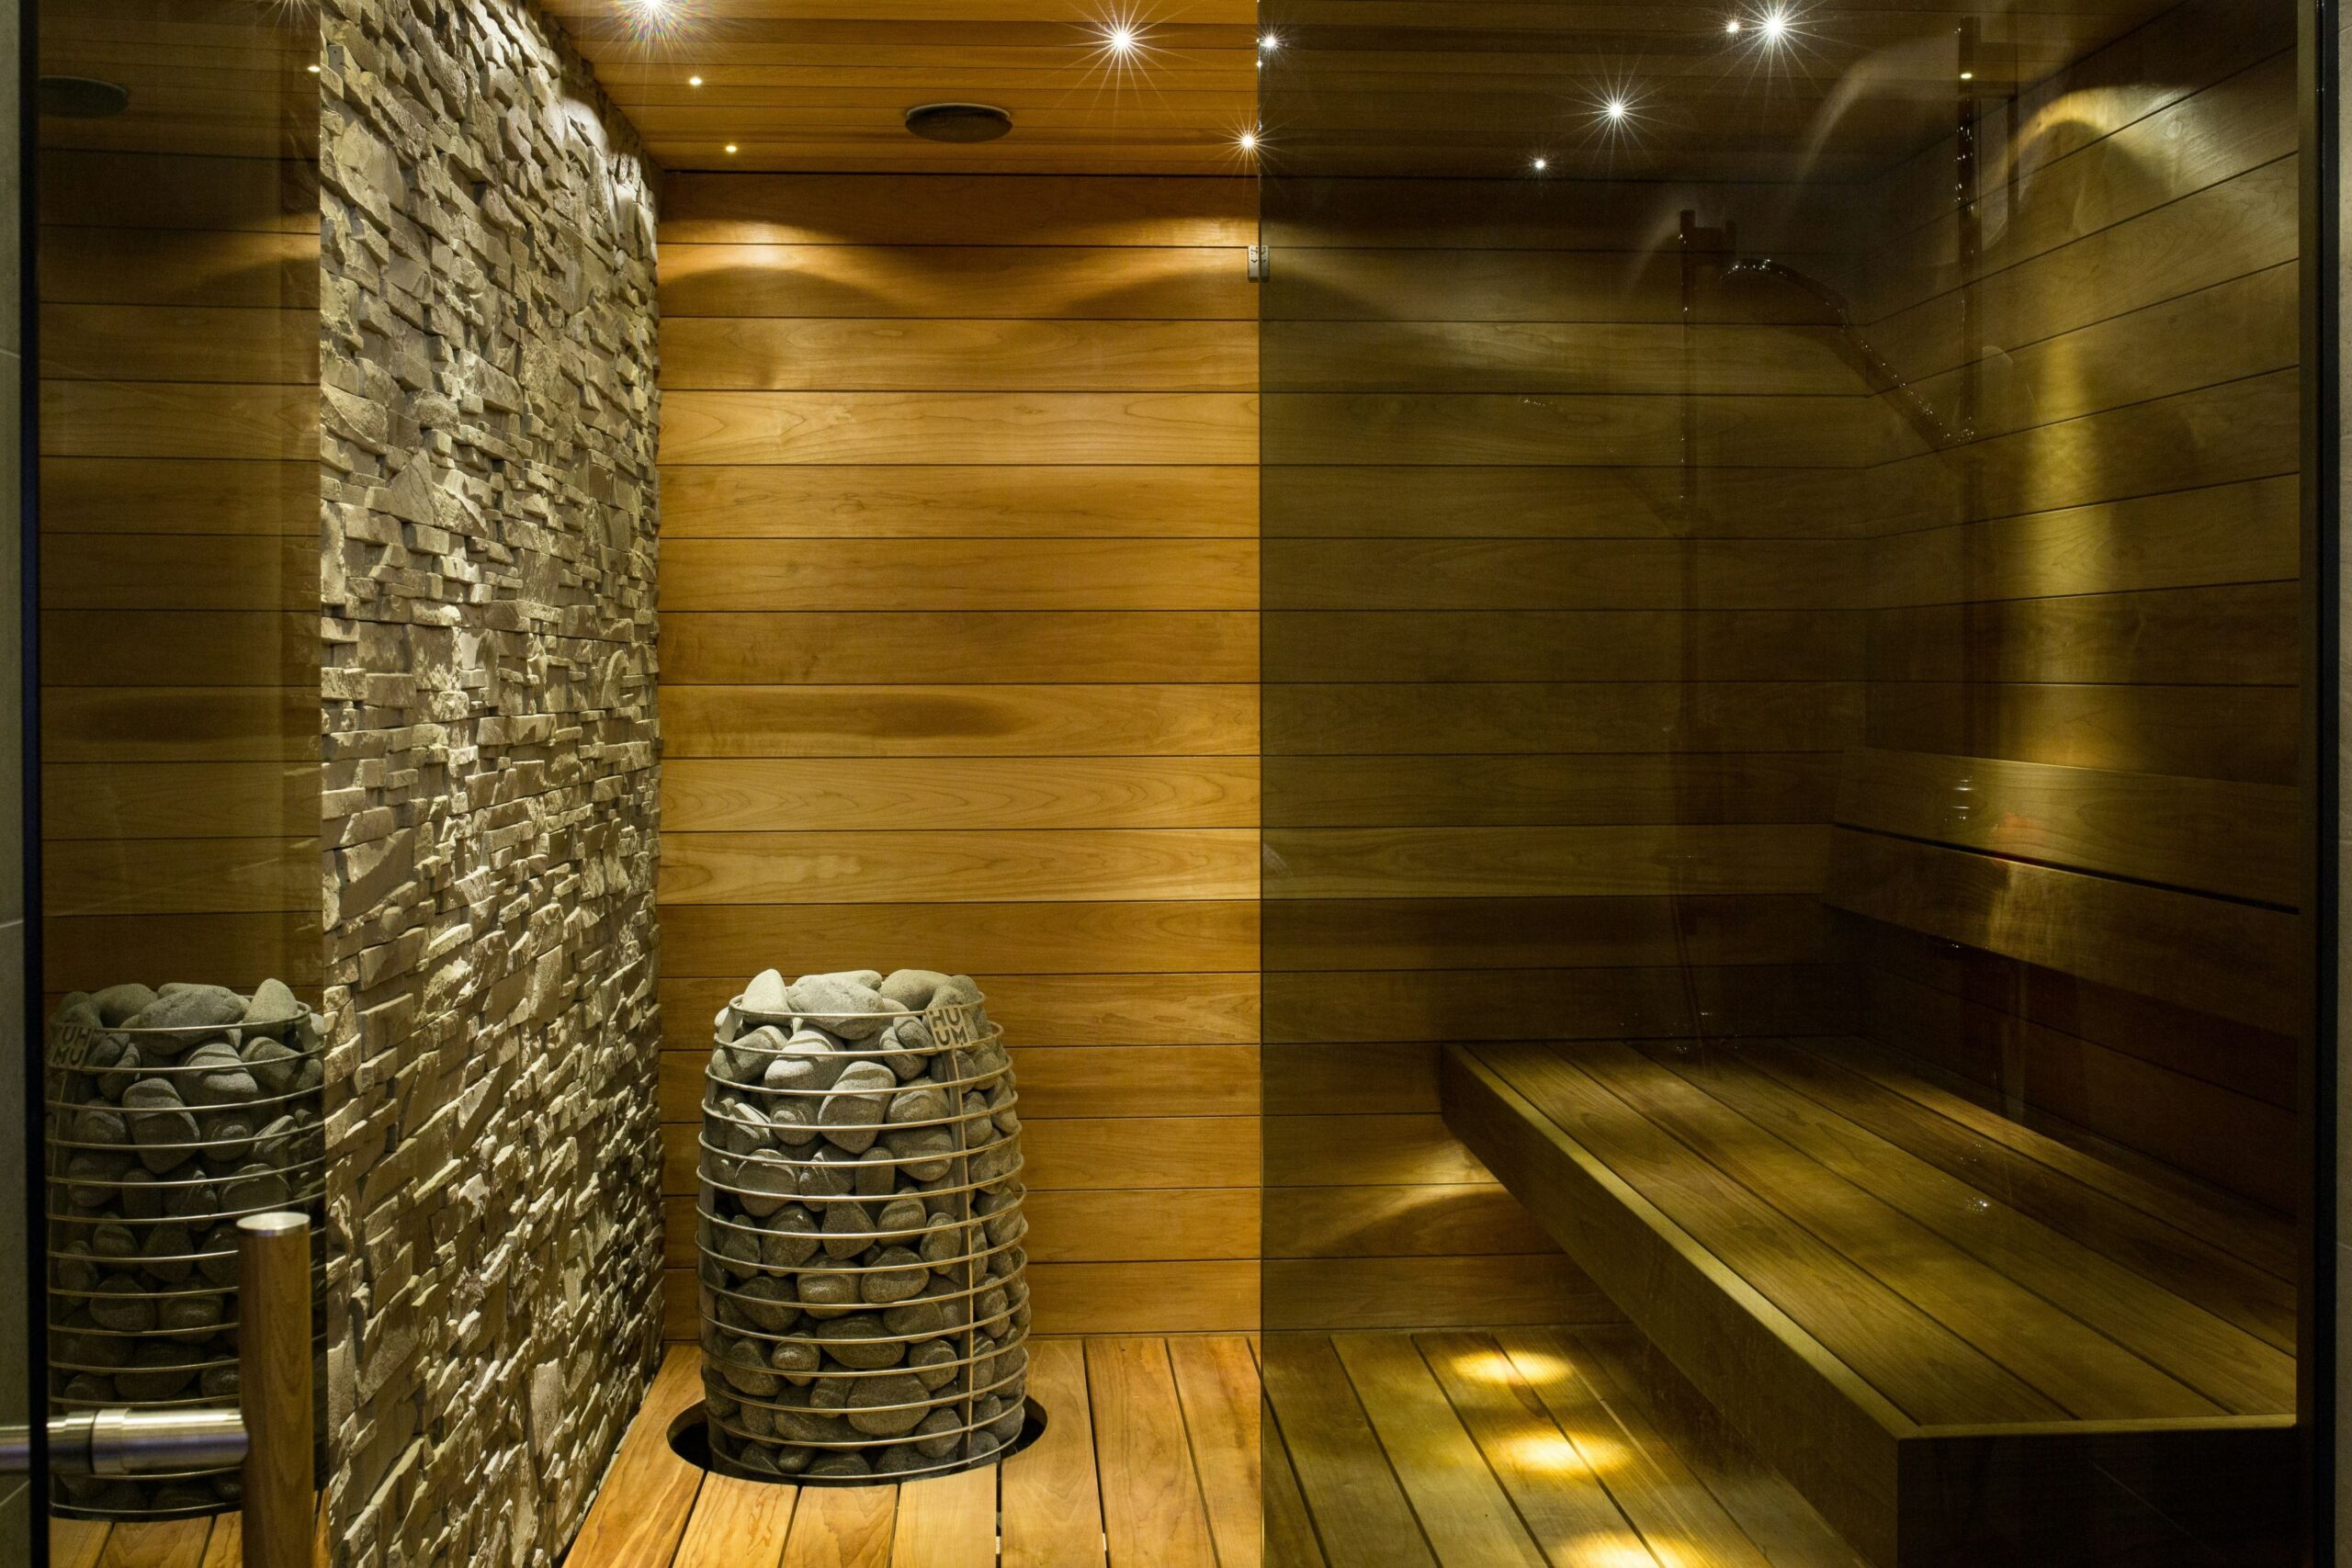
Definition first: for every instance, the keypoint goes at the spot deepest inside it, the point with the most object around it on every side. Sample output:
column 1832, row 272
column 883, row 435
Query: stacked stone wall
column 489, row 743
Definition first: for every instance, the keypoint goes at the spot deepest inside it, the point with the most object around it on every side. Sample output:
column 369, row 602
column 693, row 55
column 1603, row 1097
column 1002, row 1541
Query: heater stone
column 171, row 1110
column 860, row 1206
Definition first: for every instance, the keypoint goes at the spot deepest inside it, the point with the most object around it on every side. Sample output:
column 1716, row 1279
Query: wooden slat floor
column 216, row 1543
column 1458, row 1449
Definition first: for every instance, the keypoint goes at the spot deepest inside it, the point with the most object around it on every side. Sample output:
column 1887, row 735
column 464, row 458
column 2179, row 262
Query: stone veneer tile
column 488, row 741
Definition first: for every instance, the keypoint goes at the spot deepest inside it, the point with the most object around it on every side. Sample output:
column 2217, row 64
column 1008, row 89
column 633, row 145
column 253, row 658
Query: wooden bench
column 1965, row 1341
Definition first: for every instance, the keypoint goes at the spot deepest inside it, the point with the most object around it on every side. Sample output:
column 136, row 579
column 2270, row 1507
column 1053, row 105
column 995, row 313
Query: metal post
column 274, row 1382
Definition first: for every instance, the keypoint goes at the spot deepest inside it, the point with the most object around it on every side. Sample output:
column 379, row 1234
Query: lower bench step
column 1964, row 1341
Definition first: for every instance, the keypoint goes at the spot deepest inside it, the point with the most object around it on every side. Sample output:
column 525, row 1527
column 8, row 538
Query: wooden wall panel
column 2074, row 837
column 179, row 575
column 960, row 662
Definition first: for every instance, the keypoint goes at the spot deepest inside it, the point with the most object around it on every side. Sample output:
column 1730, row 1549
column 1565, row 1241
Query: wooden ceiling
column 1396, row 86
column 825, row 84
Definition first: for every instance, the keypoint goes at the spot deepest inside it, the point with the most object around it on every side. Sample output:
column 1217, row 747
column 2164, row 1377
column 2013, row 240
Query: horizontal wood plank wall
column 959, row 593
column 2073, row 827
column 179, row 338
column 1552, row 718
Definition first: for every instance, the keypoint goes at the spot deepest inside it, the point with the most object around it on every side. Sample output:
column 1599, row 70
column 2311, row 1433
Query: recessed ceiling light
column 1968, row 75
column 1539, row 165
column 959, row 122
column 1120, row 38
column 1247, row 141
column 1616, row 109
column 1776, row 26
column 1732, row 26
column 311, row 69
column 1269, row 42
column 693, row 81
column 731, row 147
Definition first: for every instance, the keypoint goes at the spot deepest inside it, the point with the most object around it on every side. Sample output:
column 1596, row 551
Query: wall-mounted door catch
column 1257, row 264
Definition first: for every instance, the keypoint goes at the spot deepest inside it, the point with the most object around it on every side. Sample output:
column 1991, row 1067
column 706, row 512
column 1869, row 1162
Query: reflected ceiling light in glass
column 1269, row 42
column 1732, row 27
column 1774, row 26
column 1536, row 165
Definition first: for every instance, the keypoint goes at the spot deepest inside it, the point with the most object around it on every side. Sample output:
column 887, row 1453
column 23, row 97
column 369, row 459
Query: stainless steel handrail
column 118, row 1440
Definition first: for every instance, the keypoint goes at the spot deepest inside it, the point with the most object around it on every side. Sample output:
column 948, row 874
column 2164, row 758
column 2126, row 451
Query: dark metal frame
column 2321, row 175
column 28, row 708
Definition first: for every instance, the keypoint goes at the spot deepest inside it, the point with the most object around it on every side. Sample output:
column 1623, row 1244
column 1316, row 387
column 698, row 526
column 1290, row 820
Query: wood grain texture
column 962, row 662
column 1217, row 1380
column 842, row 1527
column 913, row 499
column 179, row 478
column 924, row 648
column 2205, row 834
column 736, row 1524
column 1152, row 1507
column 2204, row 953
column 1434, row 1457
column 2082, row 705
column 1660, row 1470
column 951, row 1521
column 1052, row 1498
column 942, row 427
column 660, row 1485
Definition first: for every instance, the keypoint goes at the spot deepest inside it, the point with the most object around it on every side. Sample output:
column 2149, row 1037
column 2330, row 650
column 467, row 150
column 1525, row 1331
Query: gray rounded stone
column 765, row 1184
column 828, row 1294
column 766, row 997
column 896, row 1274
column 165, row 1253
column 934, row 1363
column 912, row 989
column 870, row 1402
column 160, row 1125
column 122, row 1305
column 796, row 1361
column 98, row 1122
column 838, row 1335
column 273, row 1063
column 272, row 1010
column 847, row 1231
column 790, row 1238
column 213, row 1074
column 916, row 1318
column 925, row 1154
column 851, row 1114
column 195, row 1010
column 117, row 1005
column 937, row 1433
column 770, row 1305
column 844, row 1005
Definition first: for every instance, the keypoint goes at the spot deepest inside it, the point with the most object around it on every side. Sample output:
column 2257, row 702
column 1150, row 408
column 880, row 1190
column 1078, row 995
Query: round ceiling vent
column 959, row 122
column 82, row 98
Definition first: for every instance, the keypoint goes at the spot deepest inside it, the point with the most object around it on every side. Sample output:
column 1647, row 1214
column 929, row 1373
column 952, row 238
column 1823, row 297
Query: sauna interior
column 1532, row 783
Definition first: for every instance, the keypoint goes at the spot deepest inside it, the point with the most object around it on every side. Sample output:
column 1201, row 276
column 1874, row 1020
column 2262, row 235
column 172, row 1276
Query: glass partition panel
column 1782, row 643
column 179, row 773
